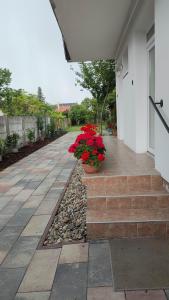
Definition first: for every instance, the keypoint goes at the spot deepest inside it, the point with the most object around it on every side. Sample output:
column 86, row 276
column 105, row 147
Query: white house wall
column 133, row 96
column 162, row 85
column 132, row 91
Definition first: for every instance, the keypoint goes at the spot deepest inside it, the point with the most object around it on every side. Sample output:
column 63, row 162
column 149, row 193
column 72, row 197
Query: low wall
column 20, row 125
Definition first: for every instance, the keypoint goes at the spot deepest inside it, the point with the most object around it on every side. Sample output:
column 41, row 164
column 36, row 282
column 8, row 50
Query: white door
column 151, row 92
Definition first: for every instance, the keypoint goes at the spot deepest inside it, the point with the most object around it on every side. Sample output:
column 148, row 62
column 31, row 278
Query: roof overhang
column 92, row 29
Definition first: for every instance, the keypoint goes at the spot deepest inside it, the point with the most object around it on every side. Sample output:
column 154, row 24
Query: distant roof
column 65, row 104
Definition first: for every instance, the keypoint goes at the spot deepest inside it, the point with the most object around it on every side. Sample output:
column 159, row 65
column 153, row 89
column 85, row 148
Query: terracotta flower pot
column 90, row 169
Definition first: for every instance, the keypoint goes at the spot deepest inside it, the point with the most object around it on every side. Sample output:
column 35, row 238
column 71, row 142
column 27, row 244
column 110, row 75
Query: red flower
column 83, row 137
column 73, row 147
column 94, row 152
column 89, row 128
column 90, row 142
column 85, row 155
column 101, row 156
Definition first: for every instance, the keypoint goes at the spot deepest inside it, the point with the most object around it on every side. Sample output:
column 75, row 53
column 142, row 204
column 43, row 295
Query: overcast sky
column 31, row 47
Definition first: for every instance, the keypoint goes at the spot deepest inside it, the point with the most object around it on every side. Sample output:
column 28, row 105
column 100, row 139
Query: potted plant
column 14, row 142
column 89, row 148
column 31, row 136
column 2, row 148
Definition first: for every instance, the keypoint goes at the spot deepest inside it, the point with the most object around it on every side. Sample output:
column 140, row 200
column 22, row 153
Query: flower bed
column 11, row 158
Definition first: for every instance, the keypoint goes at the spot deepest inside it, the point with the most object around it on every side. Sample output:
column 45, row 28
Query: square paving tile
column 11, row 208
column 22, row 252
column 10, row 280
column 36, row 225
column 33, row 296
column 70, row 282
column 74, row 253
column 105, row 293
column 145, row 295
column 167, row 294
column 22, row 217
column 33, row 201
column 46, row 207
column 41, row 271
column 99, row 269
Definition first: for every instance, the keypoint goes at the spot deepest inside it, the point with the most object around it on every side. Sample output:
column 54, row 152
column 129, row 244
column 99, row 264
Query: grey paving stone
column 8, row 237
column 4, row 219
column 70, row 282
column 33, row 185
column 10, row 280
column 4, row 201
column 167, row 294
column 21, row 253
column 99, row 269
column 33, row 296
column 11, row 208
column 22, row 217
column 22, row 182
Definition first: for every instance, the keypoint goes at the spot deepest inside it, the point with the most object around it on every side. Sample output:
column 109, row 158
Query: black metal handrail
column 159, row 113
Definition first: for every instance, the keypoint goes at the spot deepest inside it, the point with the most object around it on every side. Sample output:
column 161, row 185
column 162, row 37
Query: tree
column 91, row 108
column 5, row 79
column 78, row 114
column 40, row 94
column 99, row 78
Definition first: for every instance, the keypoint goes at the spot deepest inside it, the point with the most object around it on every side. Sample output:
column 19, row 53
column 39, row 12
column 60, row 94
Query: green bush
column 51, row 128
column 12, row 140
column 2, row 146
column 31, row 135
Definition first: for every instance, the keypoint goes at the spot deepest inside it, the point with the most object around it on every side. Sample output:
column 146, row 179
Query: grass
column 77, row 128
column 74, row 128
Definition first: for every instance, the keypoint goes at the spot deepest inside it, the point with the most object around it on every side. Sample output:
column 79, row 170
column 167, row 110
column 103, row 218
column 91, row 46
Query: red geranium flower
column 101, row 156
column 94, row 152
column 85, row 155
column 73, row 147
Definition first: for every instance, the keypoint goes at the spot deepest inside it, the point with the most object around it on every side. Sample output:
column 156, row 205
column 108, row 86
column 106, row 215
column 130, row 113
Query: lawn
column 74, row 128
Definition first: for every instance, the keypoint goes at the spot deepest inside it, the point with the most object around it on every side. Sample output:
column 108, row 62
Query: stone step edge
column 129, row 222
column 159, row 193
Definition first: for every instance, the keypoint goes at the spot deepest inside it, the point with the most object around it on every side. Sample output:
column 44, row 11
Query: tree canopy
column 98, row 77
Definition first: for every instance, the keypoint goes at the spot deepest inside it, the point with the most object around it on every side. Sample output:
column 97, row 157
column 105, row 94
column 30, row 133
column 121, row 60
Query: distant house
column 62, row 107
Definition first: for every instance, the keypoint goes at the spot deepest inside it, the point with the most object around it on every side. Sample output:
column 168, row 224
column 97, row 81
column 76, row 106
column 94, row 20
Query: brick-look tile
column 151, row 229
column 41, row 271
column 22, row 252
column 146, row 295
column 99, row 268
column 70, row 282
column 10, row 280
column 74, row 253
column 46, row 207
column 33, row 296
column 105, row 293
column 36, row 225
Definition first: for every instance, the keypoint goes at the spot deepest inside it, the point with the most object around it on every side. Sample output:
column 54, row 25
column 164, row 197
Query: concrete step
column 127, row 223
column 111, row 185
column 148, row 200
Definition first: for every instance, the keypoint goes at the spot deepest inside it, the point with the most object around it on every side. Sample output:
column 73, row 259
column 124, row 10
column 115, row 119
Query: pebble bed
column 70, row 221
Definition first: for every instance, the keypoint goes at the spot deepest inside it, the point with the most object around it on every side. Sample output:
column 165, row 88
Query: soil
column 12, row 158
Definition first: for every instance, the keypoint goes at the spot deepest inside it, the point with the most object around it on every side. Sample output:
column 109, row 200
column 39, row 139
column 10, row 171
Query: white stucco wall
column 132, row 101
column 162, row 85
column 132, row 95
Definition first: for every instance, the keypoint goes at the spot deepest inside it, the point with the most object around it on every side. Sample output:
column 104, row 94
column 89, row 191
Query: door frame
column 150, row 46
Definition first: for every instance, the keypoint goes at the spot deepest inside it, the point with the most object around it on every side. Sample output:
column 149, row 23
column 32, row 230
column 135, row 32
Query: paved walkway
column 29, row 191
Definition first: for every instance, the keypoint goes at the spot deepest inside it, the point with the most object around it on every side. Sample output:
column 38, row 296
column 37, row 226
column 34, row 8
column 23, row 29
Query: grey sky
column 31, row 47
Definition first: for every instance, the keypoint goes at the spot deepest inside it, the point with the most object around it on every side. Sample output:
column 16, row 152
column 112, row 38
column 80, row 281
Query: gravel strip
column 70, row 221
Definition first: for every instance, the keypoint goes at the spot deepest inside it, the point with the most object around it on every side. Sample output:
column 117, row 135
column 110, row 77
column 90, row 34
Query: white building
column 136, row 34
